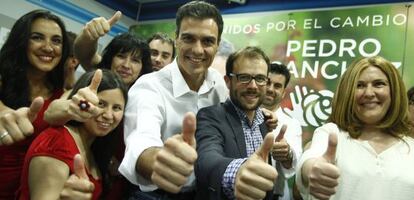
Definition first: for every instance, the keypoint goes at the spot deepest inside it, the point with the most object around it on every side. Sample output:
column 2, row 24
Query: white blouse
column 364, row 174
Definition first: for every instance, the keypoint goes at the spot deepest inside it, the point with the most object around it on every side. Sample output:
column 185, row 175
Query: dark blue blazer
column 220, row 139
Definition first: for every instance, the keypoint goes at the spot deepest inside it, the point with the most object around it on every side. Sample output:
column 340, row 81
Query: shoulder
column 54, row 142
column 153, row 80
column 328, row 127
column 214, row 109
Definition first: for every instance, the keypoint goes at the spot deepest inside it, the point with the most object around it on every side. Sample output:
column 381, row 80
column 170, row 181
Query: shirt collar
column 258, row 115
column 179, row 85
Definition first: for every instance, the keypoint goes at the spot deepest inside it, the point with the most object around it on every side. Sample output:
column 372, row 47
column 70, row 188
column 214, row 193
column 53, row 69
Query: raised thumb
column 264, row 149
column 35, row 107
column 79, row 167
column 115, row 18
column 330, row 153
column 189, row 128
column 281, row 134
column 96, row 81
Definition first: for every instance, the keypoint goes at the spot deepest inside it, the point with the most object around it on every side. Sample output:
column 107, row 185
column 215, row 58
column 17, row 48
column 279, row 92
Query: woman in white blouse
column 364, row 151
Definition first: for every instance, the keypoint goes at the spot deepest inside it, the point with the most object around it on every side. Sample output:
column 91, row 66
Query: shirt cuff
column 133, row 150
column 229, row 177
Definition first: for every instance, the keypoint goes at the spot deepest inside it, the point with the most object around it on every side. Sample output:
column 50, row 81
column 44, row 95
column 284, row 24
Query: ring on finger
column 84, row 105
column 3, row 135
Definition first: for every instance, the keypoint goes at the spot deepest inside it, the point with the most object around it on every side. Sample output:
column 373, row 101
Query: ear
column 228, row 81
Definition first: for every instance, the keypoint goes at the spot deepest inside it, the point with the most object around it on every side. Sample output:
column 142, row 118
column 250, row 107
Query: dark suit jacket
column 220, row 139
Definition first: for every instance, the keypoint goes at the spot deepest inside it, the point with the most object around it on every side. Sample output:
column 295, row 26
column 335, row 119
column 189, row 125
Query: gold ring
column 3, row 135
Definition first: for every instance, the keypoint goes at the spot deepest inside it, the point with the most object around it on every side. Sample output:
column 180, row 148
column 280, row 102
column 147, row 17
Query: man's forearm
column 145, row 162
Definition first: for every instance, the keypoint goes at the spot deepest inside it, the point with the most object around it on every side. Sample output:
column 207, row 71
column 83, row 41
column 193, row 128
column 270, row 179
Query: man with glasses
column 231, row 144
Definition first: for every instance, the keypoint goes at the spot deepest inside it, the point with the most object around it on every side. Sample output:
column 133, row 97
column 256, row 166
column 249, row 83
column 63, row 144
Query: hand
column 323, row 175
column 78, row 185
column 88, row 94
column 255, row 176
column 18, row 123
column 174, row 163
column 99, row 26
column 281, row 149
column 270, row 119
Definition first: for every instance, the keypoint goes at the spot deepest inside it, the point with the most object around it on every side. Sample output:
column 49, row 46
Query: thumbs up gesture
column 84, row 104
column 174, row 163
column 78, row 185
column 16, row 125
column 281, row 150
column 100, row 26
column 323, row 175
column 255, row 176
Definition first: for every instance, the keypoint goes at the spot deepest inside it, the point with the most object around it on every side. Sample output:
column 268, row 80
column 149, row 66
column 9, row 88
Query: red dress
column 12, row 157
column 58, row 143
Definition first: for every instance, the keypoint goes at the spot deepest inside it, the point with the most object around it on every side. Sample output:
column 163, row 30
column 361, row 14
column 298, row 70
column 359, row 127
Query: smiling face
column 113, row 103
column 248, row 96
column 275, row 91
column 44, row 49
column 372, row 95
column 197, row 44
column 161, row 54
column 127, row 65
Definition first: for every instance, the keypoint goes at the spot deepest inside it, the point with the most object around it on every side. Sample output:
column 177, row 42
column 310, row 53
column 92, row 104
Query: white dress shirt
column 293, row 136
column 364, row 174
column 156, row 106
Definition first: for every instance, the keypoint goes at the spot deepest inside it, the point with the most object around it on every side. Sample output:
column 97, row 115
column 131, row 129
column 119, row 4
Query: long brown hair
column 343, row 114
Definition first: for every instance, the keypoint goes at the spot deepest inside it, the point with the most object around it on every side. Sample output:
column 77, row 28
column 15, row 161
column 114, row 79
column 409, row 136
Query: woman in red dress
column 31, row 71
column 50, row 159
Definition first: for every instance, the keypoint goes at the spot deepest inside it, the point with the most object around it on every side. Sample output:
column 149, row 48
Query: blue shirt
column 253, row 138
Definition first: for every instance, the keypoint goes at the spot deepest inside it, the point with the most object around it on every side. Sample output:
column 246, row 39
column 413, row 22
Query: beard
column 237, row 99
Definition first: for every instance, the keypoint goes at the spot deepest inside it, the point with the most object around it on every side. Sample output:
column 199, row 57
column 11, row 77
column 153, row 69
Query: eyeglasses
column 260, row 80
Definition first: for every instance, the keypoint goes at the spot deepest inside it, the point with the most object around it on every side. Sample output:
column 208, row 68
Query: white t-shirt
column 364, row 174
column 156, row 106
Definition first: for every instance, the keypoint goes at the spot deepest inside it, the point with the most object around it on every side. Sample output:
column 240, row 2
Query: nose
column 127, row 62
column 369, row 91
column 269, row 89
column 158, row 58
column 252, row 84
column 198, row 47
column 108, row 113
column 47, row 46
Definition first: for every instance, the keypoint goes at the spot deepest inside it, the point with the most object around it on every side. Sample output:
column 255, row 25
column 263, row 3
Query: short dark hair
column 276, row 68
column 199, row 10
column 14, row 62
column 249, row 52
column 164, row 38
column 123, row 43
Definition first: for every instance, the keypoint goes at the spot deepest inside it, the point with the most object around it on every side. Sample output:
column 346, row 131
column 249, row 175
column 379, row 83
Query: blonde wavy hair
column 395, row 122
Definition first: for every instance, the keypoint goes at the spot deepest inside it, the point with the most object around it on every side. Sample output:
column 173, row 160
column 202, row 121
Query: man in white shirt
column 157, row 157
column 287, row 149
